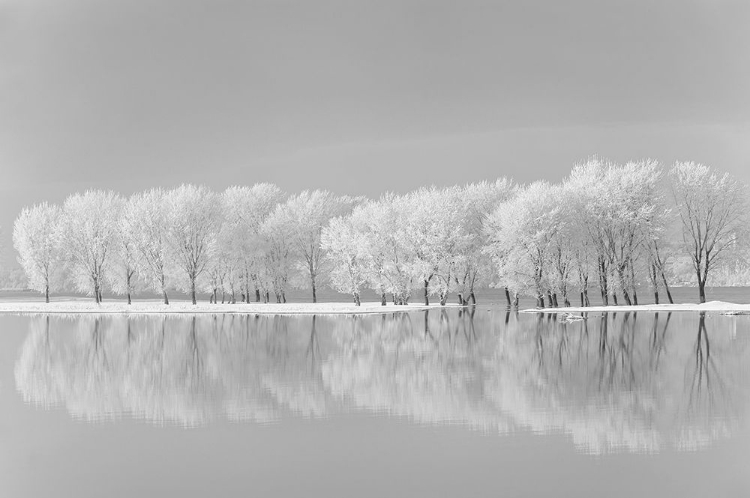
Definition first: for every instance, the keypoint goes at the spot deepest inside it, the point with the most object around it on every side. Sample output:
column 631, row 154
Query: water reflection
column 618, row 382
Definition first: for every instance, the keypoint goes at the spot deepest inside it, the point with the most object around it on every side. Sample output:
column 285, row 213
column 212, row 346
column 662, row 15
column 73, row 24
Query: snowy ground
column 716, row 306
column 147, row 308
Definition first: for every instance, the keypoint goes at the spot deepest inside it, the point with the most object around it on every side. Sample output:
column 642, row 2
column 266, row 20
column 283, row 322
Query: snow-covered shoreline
column 716, row 306
column 155, row 308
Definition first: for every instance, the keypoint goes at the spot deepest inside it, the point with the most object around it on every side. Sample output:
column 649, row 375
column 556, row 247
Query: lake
column 451, row 403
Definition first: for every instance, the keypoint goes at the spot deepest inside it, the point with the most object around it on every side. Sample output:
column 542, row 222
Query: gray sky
column 360, row 97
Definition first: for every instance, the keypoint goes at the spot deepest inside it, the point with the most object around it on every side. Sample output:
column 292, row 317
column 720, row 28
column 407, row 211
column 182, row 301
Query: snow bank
column 149, row 308
column 720, row 306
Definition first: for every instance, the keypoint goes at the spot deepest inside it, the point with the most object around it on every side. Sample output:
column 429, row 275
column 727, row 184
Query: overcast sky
column 360, row 97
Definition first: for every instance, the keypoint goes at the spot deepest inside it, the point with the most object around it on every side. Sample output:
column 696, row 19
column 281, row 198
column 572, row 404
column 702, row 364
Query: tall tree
column 35, row 239
column 194, row 216
column 150, row 209
column 88, row 229
column 711, row 207
column 305, row 215
column 126, row 258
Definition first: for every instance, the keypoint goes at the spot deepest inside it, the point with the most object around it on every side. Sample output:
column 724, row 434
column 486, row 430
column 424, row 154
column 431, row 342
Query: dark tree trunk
column 554, row 300
column 540, row 301
column 426, row 293
column 473, row 298
column 129, row 300
column 96, row 293
column 666, row 287
column 383, row 299
column 582, row 301
column 283, row 297
column 315, row 295
column 701, row 290
column 257, row 295
column 166, row 299
column 460, row 299
column 656, row 295
column 192, row 291
column 357, row 302
column 46, row 293
column 507, row 297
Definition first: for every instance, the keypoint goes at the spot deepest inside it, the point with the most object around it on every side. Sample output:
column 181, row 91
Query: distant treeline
column 609, row 227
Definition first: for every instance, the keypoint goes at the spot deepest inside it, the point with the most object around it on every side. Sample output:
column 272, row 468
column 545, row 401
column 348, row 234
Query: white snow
column 709, row 306
column 183, row 307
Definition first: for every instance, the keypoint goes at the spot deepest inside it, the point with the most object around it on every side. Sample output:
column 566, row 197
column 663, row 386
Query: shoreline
column 715, row 306
column 187, row 308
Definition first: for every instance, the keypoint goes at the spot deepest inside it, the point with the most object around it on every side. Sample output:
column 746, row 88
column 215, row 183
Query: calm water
column 439, row 404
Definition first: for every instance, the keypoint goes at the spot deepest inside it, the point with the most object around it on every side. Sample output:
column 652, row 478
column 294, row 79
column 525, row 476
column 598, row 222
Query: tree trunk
column 540, row 301
column 192, row 290
column 614, row 298
column 507, row 297
column 96, row 293
column 656, row 295
column 46, row 293
column 443, row 298
column 473, row 298
column 283, row 297
column 315, row 294
column 701, row 290
column 129, row 300
column 582, row 301
column 460, row 299
column 666, row 287
column 257, row 295
column 426, row 293
column 383, row 299
column 166, row 299
column 554, row 300
column 357, row 302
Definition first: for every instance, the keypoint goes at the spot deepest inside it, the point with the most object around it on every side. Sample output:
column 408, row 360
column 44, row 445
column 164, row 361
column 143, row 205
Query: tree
column 35, row 239
column 244, row 211
column 150, row 209
column 476, row 202
column 345, row 242
column 88, row 228
column 194, row 214
column 305, row 215
column 711, row 208
column 127, row 259
column 520, row 232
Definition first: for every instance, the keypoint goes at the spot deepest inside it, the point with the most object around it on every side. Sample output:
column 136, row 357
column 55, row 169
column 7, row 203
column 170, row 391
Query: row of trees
column 609, row 226
column 246, row 240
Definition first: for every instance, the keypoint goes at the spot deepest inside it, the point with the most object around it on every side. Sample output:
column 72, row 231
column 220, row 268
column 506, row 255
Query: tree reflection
column 612, row 383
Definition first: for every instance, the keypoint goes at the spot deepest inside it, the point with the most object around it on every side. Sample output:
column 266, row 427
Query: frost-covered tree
column 305, row 215
column 711, row 207
column 35, row 239
column 520, row 233
column 126, row 258
column 150, row 236
column 87, row 233
column 277, row 235
column 345, row 243
column 193, row 221
column 474, row 266
column 244, row 211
